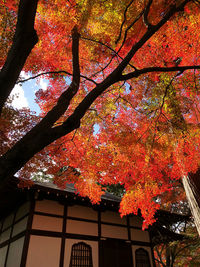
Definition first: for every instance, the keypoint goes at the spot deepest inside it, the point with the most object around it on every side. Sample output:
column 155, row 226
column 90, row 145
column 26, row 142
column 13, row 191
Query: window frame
column 85, row 257
column 146, row 259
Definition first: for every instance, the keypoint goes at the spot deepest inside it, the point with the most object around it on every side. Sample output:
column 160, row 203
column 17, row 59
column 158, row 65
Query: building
column 46, row 226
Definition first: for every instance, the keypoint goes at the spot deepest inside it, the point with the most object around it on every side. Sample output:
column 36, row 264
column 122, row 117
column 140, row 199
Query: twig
column 124, row 20
column 127, row 29
column 54, row 72
column 108, row 47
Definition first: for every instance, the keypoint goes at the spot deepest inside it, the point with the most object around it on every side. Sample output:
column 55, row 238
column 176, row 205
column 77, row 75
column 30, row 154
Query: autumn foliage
column 142, row 129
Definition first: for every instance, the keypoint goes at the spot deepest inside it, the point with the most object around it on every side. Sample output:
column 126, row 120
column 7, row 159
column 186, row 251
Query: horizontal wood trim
column 45, row 233
column 60, row 234
column 81, row 219
column 68, row 217
column 48, row 214
column 12, row 239
column 114, row 224
column 141, row 243
column 83, row 237
column 137, row 227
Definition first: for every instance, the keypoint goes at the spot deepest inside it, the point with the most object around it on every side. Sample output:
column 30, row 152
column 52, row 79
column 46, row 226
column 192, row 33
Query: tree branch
column 149, row 33
column 124, row 20
column 64, row 100
column 55, row 72
column 128, row 28
column 146, row 13
column 166, row 92
column 24, row 40
column 137, row 72
column 107, row 46
column 43, row 134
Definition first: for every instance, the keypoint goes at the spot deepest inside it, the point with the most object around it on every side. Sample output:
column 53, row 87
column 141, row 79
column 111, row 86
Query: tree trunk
column 192, row 190
column 24, row 40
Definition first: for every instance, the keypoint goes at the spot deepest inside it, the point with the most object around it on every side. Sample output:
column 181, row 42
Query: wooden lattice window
column 81, row 255
column 142, row 258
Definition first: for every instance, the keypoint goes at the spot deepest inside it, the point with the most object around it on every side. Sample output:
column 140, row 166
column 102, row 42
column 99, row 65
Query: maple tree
column 184, row 249
column 180, row 253
column 122, row 105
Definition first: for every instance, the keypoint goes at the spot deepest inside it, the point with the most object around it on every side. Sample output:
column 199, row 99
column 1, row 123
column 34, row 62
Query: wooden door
column 115, row 253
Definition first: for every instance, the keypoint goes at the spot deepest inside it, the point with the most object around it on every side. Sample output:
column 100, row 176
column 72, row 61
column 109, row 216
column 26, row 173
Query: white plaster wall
column 114, row 231
column 82, row 212
column 3, row 255
column 47, row 223
column 43, row 252
column 49, row 206
column 5, row 235
column 23, row 210
column 8, row 221
column 148, row 249
column 112, row 217
column 68, row 246
column 140, row 235
column 15, row 253
column 20, row 226
column 135, row 221
column 83, row 228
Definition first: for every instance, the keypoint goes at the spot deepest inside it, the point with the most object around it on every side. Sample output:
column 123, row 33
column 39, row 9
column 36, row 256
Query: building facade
column 53, row 228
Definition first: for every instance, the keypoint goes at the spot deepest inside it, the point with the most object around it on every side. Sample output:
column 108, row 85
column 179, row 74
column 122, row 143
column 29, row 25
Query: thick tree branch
column 24, row 40
column 64, row 100
column 137, row 72
column 42, row 134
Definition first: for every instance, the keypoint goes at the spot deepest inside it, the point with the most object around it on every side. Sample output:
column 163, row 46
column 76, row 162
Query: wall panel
column 5, row 235
column 114, row 231
column 8, row 221
column 15, row 253
column 23, row 210
column 3, row 252
column 112, row 217
column 82, row 212
column 47, row 223
column 140, row 235
column 20, row 226
column 43, row 251
column 49, row 206
column 136, row 221
column 81, row 227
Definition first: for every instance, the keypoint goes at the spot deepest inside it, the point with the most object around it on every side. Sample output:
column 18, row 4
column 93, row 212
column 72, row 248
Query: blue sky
column 24, row 95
